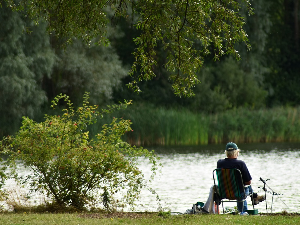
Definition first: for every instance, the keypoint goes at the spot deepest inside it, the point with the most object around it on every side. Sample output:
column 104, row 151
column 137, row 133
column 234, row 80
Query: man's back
column 230, row 163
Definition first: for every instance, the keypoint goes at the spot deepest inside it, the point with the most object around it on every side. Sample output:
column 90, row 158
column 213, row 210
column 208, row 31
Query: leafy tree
column 73, row 168
column 257, row 26
column 157, row 91
column 79, row 67
column 25, row 57
column 226, row 85
column 187, row 30
column 283, row 53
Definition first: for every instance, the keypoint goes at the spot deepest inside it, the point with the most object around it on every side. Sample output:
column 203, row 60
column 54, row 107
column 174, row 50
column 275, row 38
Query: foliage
column 25, row 58
column 171, row 127
column 71, row 167
column 224, row 85
column 79, row 67
column 3, row 175
column 187, row 30
column 227, row 85
column 282, row 53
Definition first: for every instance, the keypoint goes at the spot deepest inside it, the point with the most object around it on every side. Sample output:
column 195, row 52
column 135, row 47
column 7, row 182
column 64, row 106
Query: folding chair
column 230, row 186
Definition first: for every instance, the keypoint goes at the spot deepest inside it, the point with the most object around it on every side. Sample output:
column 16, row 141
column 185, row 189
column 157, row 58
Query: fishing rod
column 272, row 192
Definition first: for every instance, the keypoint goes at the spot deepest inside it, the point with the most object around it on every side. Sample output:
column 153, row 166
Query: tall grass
column 159, row 126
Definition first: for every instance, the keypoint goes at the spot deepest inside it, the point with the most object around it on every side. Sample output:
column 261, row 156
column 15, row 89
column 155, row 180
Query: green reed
column 159, row 126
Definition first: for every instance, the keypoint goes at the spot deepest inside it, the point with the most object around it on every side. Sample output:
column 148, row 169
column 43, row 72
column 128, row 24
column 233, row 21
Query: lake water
column 186, row 176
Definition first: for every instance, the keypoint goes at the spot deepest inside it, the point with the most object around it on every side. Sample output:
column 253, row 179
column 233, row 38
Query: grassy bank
column 142, row 219
column 158, row 126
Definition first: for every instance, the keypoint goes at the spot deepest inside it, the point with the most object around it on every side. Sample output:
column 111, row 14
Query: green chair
column 230, row 187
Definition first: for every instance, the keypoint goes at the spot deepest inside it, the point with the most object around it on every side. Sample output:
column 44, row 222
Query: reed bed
column 159, row 126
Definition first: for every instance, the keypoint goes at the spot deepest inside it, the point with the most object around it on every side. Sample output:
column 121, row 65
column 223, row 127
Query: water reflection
column 186, row 175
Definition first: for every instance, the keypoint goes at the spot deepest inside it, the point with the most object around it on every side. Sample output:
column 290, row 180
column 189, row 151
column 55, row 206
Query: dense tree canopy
column 283, row 52
column 187, row 30
column 34, row 67
column 25, row 58
column 225, row 84
column 79, row 68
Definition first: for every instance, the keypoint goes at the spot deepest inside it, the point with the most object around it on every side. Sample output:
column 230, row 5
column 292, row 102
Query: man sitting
column 230, row 162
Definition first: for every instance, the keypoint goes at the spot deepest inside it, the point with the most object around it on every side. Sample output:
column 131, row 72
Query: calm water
column 186, row 175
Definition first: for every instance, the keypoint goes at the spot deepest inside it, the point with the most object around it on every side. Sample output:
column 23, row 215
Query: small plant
column 164, row 214
column 73, row 168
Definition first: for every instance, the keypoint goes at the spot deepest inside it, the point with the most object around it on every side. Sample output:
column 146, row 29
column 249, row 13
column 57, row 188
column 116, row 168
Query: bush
column 71, row 167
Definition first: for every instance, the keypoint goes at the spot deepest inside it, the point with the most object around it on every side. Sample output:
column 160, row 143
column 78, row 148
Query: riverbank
column 167, row 127
column 143, row 218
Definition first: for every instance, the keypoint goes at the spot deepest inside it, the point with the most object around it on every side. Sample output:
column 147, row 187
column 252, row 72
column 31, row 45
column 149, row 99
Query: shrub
column 73, row 168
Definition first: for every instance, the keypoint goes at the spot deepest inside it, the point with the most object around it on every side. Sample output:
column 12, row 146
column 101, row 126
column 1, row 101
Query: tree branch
column 184, row 20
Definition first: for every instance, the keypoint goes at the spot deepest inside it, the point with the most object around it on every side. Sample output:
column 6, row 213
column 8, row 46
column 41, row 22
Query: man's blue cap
column 231, row 146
